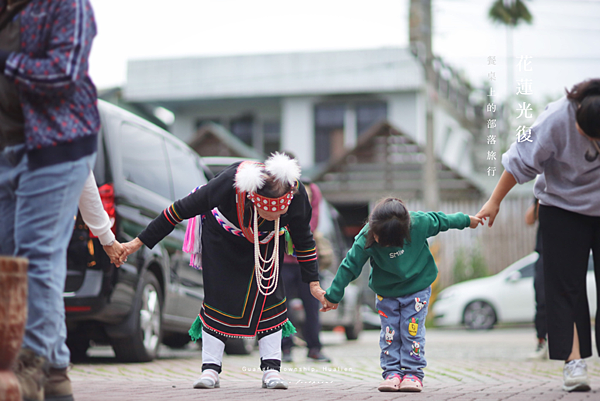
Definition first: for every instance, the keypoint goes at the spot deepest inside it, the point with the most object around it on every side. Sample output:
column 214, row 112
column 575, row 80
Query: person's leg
column 269, row 347
column 290, row 275
column 46, row 205
column 567, row 239
column 390, row 343
column 541, row 330
column 9, row 172
column 596, row 256
column 413, row 310
column 540, row 299
column 312, row 324
column 213, row 347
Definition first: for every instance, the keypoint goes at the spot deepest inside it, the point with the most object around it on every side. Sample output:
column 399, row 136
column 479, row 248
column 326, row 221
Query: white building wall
column 404, row 113
column 452, row 142
column 297, row 128
column 183, row 126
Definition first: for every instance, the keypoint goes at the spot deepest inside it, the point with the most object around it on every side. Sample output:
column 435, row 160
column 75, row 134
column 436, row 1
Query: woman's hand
column 319, row 293
column 489, row 210
column 116, row 253
column 130, row 247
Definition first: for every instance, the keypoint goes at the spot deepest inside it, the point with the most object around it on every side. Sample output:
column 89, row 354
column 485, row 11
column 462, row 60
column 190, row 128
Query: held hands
column 116, row 253
column 319, row 293
column 475, row 221
column 490, row 209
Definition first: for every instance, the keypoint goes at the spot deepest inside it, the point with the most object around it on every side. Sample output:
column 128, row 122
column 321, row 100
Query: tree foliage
column 510, row 12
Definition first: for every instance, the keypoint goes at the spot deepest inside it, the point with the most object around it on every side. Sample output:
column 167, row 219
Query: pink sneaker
column 392, row 383
column 411, row 383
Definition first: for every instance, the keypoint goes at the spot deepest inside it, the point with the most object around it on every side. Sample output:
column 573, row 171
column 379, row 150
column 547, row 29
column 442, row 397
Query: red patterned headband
column 271, row 204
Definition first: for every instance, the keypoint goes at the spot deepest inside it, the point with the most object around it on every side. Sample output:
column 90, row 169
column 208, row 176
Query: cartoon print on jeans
column 413, row 326
column 389, row 335
column 382, row 314
column 419, row 305
column 386, row 352
column 416, row 350
column 380, row 298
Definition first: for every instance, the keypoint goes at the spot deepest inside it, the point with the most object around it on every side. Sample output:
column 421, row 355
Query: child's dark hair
column 587, row 96
column 390, row 222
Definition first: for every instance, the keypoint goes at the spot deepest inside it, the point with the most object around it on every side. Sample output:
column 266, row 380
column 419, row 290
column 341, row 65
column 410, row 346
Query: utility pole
column 420, row 33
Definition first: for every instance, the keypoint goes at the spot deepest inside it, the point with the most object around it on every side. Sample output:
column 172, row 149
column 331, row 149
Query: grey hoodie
column 567, row 162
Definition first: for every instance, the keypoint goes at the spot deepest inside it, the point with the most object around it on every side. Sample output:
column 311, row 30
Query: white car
column 506, row 297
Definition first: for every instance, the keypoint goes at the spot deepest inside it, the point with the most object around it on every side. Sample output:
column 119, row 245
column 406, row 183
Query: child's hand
column 327, row 306
column 475, row 221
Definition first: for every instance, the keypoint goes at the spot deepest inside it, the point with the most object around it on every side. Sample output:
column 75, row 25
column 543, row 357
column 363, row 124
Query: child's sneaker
column 273, row 380
column 391, row 383
column 208, row 379
column 411, row 383
column 575, row 376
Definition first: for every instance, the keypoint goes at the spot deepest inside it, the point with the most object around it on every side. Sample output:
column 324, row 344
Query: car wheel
column 176, row 340
column 239, row 346
column 479, row 315
column 143, row 345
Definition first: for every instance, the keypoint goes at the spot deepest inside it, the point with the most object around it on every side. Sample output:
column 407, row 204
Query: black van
column 155, row 296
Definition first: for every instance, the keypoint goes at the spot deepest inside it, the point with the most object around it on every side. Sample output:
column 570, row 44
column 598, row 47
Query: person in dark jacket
column 48, row 136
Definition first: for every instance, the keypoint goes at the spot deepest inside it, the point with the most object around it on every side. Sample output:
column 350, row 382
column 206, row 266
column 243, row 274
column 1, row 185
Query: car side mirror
column 514, row 277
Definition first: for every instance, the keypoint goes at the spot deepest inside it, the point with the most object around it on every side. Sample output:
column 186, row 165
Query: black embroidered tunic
column 233, row 306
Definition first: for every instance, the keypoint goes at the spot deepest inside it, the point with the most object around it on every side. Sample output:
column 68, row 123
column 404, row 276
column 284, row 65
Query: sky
column 561, row 46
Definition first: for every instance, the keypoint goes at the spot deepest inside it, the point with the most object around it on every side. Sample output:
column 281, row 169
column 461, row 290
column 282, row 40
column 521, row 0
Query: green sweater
column 396, row 271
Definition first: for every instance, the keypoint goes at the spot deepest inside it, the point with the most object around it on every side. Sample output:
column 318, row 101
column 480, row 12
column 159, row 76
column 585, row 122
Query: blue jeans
column 38, row 209
column 402, row 338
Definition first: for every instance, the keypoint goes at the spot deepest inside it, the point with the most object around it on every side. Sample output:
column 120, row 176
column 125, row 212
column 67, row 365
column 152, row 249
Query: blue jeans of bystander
column 38, row 209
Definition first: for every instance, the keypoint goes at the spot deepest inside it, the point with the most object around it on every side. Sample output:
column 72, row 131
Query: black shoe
column 286, row 355
column 317, row 356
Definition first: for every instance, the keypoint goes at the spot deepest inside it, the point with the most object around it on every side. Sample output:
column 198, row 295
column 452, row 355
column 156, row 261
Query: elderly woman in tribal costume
column 247, row 210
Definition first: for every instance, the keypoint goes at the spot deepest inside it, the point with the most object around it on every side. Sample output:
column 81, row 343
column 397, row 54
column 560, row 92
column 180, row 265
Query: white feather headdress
column 283, row 168
column 250, row 178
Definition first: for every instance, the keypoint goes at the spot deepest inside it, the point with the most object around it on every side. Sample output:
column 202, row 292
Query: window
column 368, row 114
column 271, row 136
column 527, row 271
column 242, row 127
column 144, row 159
column 329, row 122
column 185, row 169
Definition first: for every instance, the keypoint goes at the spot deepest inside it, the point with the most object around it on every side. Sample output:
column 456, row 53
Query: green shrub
column 469, row 264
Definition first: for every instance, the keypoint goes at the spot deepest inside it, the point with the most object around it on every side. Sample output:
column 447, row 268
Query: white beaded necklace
column 268, row 264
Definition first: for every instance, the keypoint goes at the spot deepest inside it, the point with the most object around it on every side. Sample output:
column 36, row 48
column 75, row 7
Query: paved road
column 462, row 365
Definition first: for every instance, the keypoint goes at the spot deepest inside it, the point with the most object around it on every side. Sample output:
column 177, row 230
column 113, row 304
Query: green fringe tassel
column 196, row 330
column 289, row 249
column 288, row 329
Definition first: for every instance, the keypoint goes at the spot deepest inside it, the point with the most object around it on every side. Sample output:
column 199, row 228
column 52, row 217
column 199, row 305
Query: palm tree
column 509, row 13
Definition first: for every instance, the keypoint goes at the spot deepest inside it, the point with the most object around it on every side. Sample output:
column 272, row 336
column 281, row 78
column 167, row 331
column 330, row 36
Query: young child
column 395, row 242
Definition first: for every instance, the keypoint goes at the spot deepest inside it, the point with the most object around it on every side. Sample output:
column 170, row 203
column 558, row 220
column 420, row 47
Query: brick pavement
column 462, row 365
